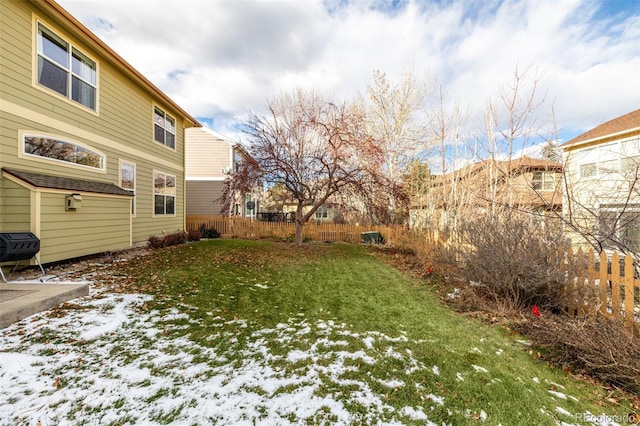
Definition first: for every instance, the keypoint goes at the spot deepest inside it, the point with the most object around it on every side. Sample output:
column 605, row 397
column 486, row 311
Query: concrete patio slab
column 19, row 299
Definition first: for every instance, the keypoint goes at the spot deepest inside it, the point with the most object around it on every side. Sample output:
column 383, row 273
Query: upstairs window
column 65, row 70
column 164, row 194
column 63, row 151
column 164, row 127
column 543, row 181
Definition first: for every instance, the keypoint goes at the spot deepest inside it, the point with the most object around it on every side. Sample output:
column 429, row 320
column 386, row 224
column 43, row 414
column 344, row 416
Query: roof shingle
column 40, row 180
column 630, row 121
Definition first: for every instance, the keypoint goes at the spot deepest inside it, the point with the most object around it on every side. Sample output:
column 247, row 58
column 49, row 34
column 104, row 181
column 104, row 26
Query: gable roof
column 618, row 126
column 40, row 180
column 513, row 167
column 118, row 61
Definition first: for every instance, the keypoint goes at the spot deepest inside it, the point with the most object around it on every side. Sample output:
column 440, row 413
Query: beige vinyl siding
column 203, row 197
column 122, row 128
column 206, row 154
column 16, row 213
column 101, row 224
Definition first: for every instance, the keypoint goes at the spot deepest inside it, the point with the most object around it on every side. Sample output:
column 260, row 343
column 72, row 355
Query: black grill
column 18, row 246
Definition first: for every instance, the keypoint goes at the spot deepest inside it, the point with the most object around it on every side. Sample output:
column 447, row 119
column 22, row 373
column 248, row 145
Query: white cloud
column 220, row 59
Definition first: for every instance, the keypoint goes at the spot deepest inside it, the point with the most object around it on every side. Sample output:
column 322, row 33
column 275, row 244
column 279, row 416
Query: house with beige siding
column 91, row 152
column 602, row 178
column 529, row 185
column 211, row 159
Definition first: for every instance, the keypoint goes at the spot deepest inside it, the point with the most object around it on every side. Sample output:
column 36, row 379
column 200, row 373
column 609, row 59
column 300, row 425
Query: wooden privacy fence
column 601, row 285
column 233, row 227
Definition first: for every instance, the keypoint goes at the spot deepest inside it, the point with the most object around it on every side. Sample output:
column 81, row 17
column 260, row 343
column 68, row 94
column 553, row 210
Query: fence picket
column 628, row 288
column 591, row 294
column 604, row 283
column 615, row 285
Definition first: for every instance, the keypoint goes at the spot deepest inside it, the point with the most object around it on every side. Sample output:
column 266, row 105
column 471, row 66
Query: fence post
column 604, row 283
column 615, row 285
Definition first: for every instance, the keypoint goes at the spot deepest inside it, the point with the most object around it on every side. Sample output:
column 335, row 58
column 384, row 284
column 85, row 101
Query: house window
column 63, row 151
column 630, row 164
column 65, row 70
column 164, row 128
column 237, row 161
column 128, row 181
column 619, row 228
column 543, row 181
column 587, row 170
column 164, row 194
column 322, row 212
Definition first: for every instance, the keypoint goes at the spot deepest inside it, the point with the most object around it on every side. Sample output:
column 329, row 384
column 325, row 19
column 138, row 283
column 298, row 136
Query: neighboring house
column 92, row 153
column 527, row 184
column 210, row 159
column 602, row 195
column 326, row 213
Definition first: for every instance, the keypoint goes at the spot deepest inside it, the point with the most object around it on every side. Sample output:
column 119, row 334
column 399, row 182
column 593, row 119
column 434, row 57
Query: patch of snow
column 535, row 379
column 416, row 415
column 368, row 342
column 454, row 294
column 437, row 399
column 479, row 369
column 435, row 370
column 392, row 384
column 558, row 394
column 563, row 411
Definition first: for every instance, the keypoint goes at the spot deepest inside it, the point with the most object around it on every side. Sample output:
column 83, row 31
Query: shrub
column 194, row 235
column 605, row 349
column 208, row 232
column 516, row 259
column 173, row 239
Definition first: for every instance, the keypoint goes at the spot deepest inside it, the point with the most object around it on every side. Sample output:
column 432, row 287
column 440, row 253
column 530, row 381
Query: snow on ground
column 108, row 361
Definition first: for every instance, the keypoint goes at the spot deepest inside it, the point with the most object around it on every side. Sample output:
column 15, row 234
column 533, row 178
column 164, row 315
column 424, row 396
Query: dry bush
column 194, row 235
column 516, row 259
column 605, row 349
column 173, row 239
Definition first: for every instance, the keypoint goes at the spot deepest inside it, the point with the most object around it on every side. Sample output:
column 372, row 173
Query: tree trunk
column 299, row 224
column 299, row 233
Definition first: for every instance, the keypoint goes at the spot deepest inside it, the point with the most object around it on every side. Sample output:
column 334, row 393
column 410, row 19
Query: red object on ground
column 535, row 311
column 429, row 270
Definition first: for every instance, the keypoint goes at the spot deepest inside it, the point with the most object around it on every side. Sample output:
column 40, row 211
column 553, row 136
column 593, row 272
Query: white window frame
column 23, row 152
column 162, row 124
column 132, row 190
column 546, row 178
column 91, row 80
column 157, row 173
column 605, row 159
column 322, row 212
column 619, row 212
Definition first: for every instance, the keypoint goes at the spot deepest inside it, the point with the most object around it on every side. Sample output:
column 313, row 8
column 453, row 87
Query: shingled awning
column 40, row 180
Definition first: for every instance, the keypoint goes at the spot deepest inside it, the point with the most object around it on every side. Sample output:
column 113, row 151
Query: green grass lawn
column 389, row 331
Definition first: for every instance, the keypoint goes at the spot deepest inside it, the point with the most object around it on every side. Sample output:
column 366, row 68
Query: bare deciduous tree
column 313, row 147
column 395, row 122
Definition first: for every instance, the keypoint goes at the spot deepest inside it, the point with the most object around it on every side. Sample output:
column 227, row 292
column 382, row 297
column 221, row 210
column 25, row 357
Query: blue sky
column 221, row 59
